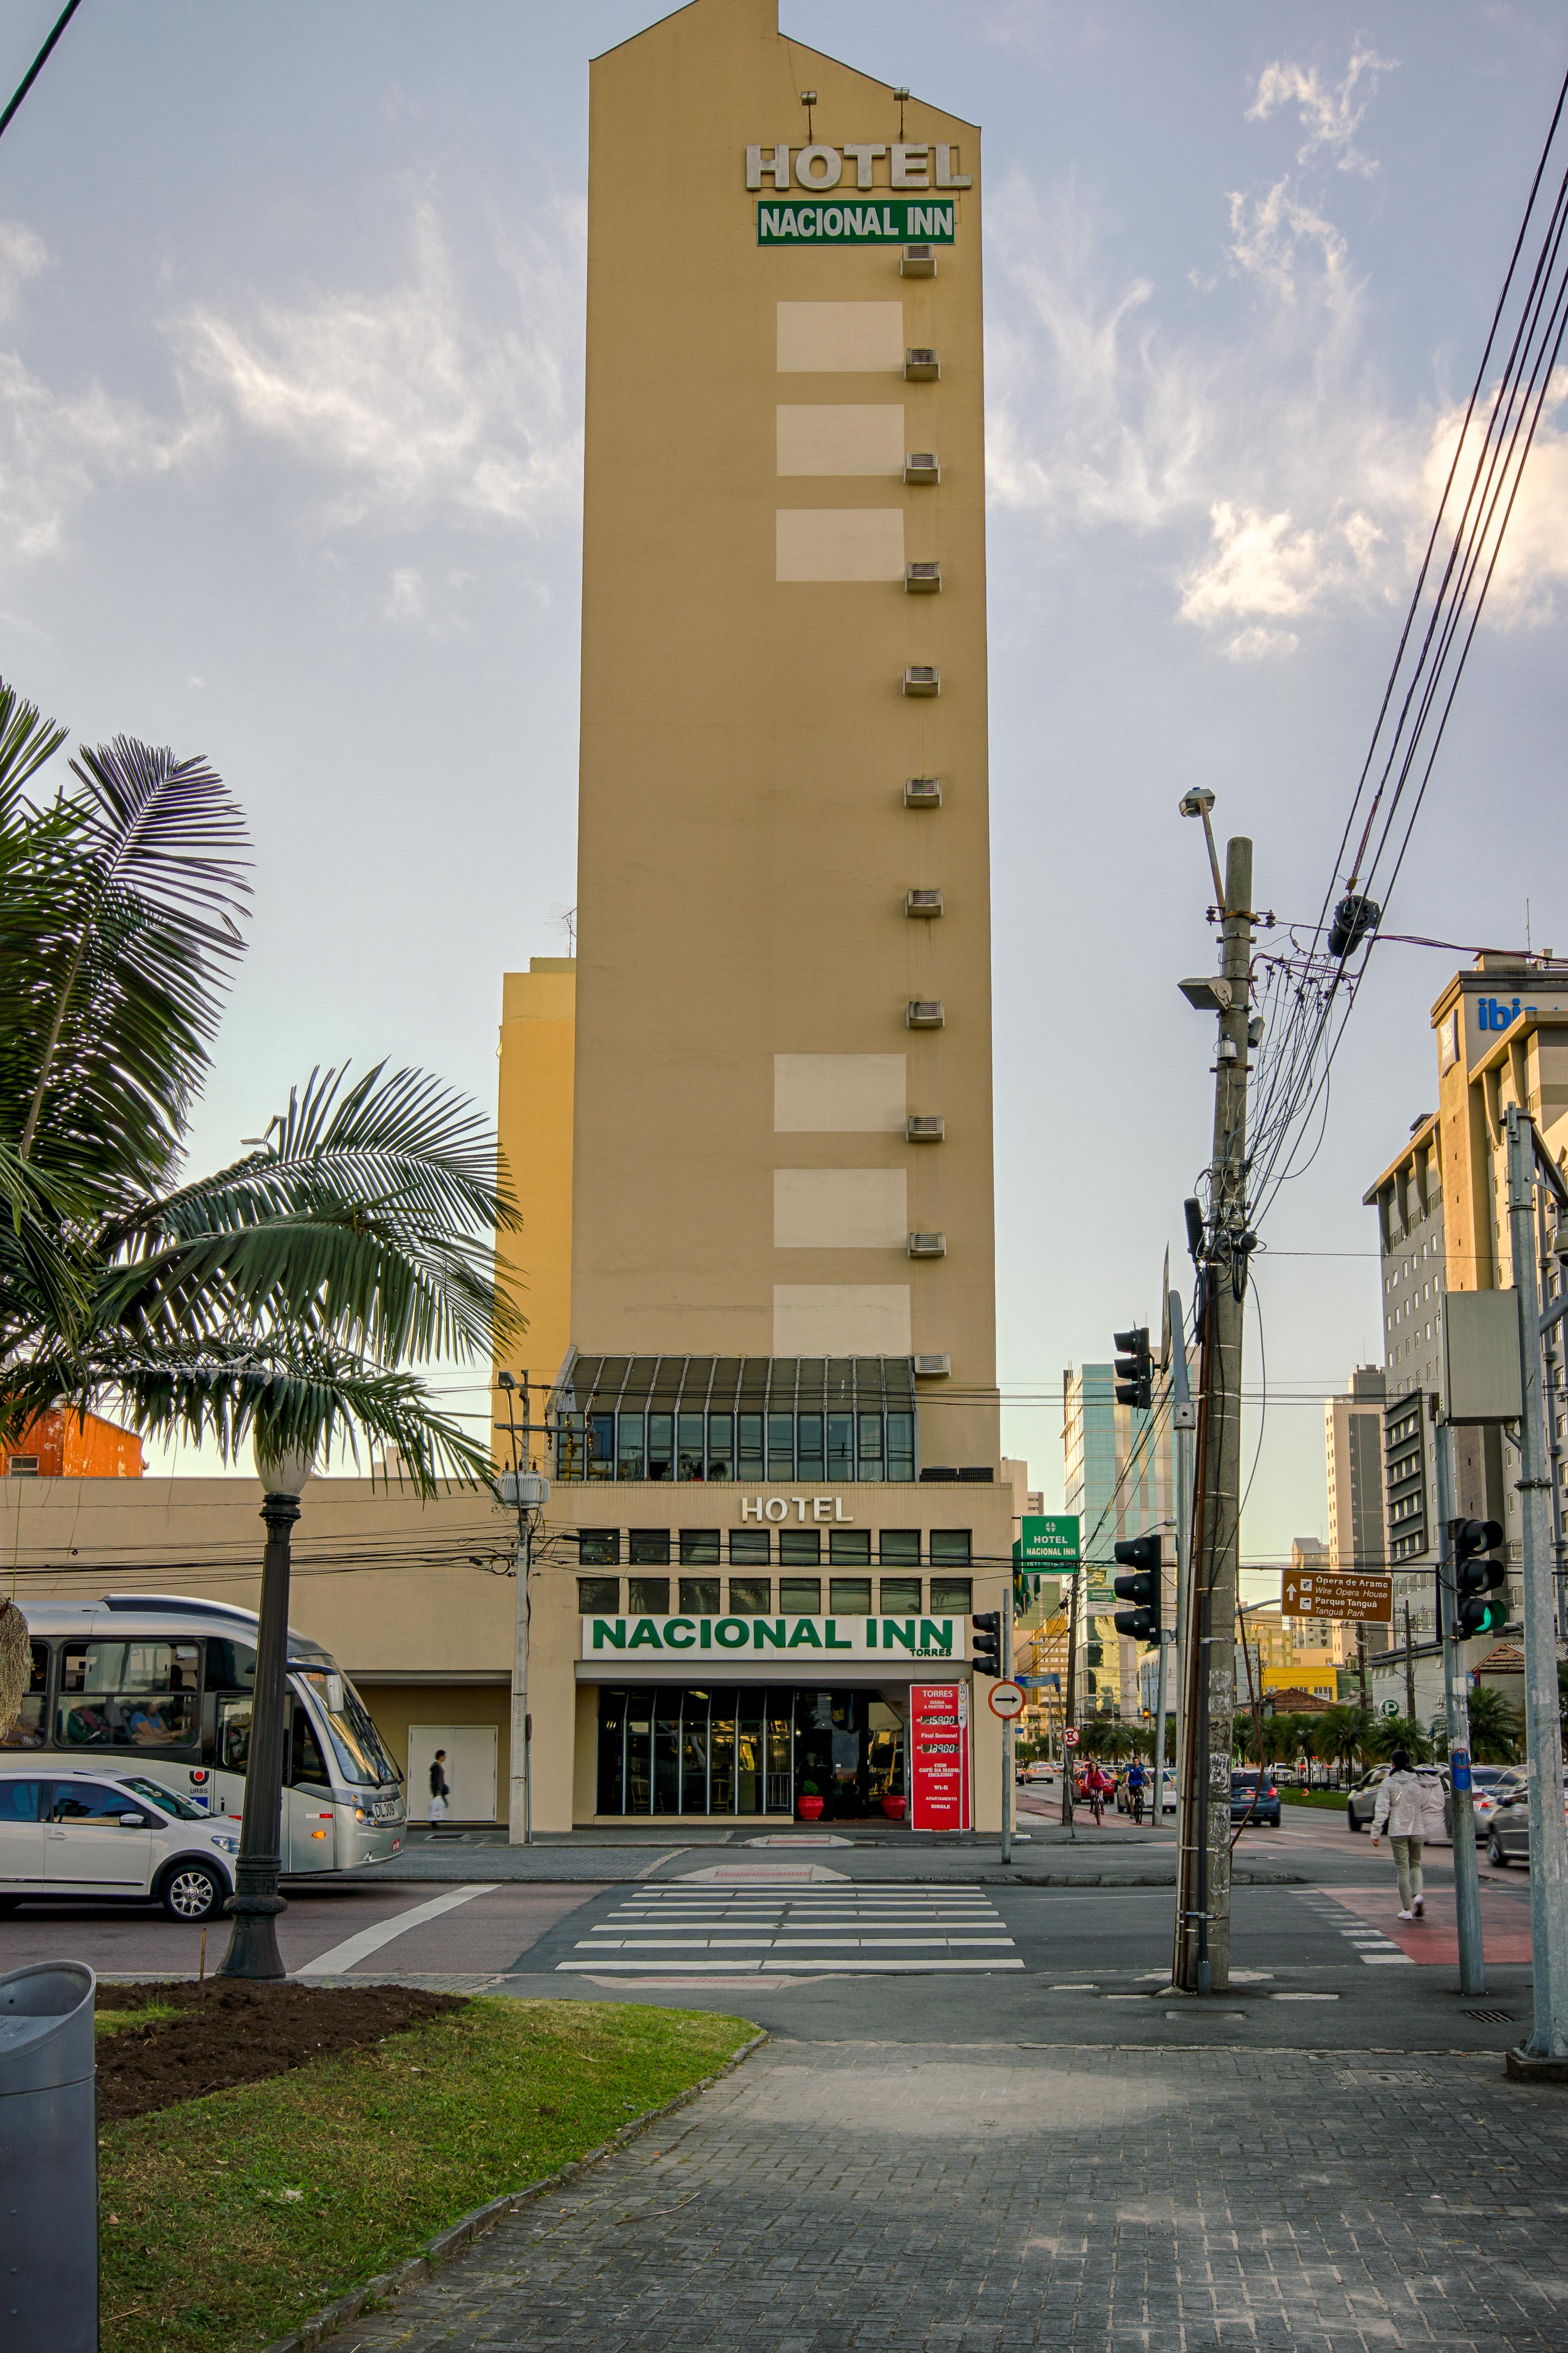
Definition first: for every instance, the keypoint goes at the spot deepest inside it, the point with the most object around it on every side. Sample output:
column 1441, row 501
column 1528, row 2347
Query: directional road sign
column 1337, row 1593
column 1005, row 1700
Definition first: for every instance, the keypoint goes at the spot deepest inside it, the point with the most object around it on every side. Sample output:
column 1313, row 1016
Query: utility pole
column 1007, row 1726
column 1173, row 1625
column 1409, row 1670
column 1456, row 1701
column 528, row 1491
column 1203, row 1925
column 1548, row 2038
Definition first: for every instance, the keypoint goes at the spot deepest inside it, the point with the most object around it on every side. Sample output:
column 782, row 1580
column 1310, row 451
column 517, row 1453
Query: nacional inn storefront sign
column 913, row 212
column 798, row 1642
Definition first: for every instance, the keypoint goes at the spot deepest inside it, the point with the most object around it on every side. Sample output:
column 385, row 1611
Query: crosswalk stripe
column 887, row 1930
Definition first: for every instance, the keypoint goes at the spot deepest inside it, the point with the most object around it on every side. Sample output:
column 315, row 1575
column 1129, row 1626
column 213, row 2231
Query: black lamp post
column 256, row 1902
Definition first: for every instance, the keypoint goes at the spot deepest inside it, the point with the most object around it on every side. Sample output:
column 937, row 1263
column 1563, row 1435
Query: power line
column 37, row 68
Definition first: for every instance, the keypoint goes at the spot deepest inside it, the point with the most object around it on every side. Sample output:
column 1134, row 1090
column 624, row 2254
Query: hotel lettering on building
column 750, row 1124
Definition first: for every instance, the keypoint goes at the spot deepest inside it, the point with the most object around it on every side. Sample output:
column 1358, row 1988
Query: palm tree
column 1389, row 1733
column 282, row 1297
column 1496, row 1728
column 1343, row 1733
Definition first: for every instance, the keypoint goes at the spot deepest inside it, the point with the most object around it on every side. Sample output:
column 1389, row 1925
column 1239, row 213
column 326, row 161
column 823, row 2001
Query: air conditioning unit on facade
column 922, row 902
column 925, row 1013
column 933, row 1368
column 917, row 262
column 922, row 579
column 921, row 364
column 922, row 792
column 928, row 1245
column 922, row 678
column 922, row 468
column 924, row 1130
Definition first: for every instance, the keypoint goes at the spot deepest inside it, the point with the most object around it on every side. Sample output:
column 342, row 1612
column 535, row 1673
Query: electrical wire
column 39, row 62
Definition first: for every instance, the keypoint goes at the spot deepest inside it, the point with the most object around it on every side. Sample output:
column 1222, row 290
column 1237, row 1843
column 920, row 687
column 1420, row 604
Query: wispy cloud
column 1331, row 114
column 59, row 452
column 399, row 403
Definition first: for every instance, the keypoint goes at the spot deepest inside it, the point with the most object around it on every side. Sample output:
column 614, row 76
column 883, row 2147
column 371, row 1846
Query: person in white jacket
column 1411, row 1804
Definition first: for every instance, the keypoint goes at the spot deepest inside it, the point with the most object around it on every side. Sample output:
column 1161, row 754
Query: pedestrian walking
column 440, row 1788
column 1411, row 1804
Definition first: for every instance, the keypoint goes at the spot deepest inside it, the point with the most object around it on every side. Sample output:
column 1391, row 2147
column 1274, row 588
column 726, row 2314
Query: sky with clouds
column 291, row 393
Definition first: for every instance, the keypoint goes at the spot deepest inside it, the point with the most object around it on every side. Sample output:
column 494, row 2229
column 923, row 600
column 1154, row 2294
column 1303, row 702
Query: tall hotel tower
column 780, row 1344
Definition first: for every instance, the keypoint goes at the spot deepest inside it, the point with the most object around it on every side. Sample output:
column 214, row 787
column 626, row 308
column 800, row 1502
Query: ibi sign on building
column 712, row 1639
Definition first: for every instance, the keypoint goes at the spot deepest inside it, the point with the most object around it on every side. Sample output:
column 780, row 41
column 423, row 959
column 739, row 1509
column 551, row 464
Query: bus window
column 134, row 1695
column 305, row 1764
column 231, row 1743
column 28, row 1732
column 231, row 1666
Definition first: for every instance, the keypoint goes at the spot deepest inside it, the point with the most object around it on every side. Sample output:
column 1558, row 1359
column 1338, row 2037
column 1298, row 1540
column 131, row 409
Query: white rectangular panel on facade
column 839, row 543
column 841, row 1319
column 830, row 338
column 845, row 437
column 839, row 1095
column 840, row 1208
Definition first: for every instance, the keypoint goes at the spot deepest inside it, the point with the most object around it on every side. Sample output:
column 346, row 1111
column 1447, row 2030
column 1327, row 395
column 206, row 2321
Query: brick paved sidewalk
column 984, row 2198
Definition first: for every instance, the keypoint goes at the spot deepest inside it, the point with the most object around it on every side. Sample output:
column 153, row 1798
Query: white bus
column 155, row 1684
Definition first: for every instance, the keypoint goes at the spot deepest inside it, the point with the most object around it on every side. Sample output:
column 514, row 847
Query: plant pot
column 808, row 1809
column 894, row 1807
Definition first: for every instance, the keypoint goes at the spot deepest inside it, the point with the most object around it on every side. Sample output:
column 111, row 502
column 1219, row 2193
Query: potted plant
column 808, row 1805
column 893, row 1807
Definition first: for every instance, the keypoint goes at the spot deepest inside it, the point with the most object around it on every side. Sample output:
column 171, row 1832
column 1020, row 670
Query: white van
column 69, row 1831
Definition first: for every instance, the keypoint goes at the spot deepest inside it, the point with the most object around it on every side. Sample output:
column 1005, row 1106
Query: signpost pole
column 1467, row 1871
column 1070, row 1702
column 1007, row 1727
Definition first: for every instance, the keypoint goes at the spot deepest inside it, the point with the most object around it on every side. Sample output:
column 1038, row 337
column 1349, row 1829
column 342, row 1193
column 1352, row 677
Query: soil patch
column 232, row 2033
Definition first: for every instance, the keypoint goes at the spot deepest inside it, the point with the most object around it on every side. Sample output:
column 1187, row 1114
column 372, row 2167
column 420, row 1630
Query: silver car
column 1508, row 1833
column 1491, row 1785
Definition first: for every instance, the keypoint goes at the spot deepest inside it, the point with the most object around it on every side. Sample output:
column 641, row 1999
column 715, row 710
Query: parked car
column 1508, row 1833
column 1361, row 1802
column 110, row 1834
column 1168, row 1791
column 1491, row 1785
column 1255, row 1798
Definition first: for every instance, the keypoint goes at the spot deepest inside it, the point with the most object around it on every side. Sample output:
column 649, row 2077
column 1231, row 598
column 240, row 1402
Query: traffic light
column 1134, row 1369
column 1142, row 1556
column 1476, row 1578
column 987, row 1625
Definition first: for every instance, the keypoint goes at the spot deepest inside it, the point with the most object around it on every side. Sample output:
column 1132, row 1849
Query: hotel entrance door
column 748, row 1750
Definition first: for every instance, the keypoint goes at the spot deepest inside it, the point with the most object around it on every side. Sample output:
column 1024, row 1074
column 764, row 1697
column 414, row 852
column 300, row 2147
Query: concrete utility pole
column 1548, row 2038
column 528, row 1491
column 1006, row 1664
column 1203, row 1919
column 1173, row 1632
column 1455, row 1701
column 1409, row 1669
column 1069, row 1701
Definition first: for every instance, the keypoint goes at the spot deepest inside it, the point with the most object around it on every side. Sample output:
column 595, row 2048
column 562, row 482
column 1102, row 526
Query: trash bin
column 48, row 2161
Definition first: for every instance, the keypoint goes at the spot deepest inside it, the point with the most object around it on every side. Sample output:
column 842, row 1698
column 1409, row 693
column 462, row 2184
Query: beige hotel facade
column 750, row 1124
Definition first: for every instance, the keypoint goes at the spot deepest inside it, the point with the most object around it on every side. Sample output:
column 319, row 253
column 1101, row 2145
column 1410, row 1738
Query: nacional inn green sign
column 882, row 220
column 801, row 1639
column 1049, row 1540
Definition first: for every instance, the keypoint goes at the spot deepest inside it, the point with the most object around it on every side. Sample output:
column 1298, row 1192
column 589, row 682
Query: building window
column 749, row 1443
column 698, row 1546
column 849, row 1547
column 809, row 1444
column 900, row 1596
column 689, row 1446
column 869, row 1450
column 898, row 1547
column 841, row 1447
column 800, row 1544
column 949, row 1547
column 751, row 1597
column 599, row 1547
column 629, row 1459
column 800, row 1597
column 720, row 1446
column 953, row 1596
column 598, row 1596
column 649, row 1546
column 649, row 1597
column 833, row 1421
column 699, row 1597
column 660, row 1445
column 750, row 1545
column 849, row 1597
column 900, row 1447
column 601, row 1446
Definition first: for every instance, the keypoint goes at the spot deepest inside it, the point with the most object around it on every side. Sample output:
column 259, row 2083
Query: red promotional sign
column 939, row 1756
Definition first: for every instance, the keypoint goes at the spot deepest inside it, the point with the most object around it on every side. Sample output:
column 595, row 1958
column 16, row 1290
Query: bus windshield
column 356, row 1744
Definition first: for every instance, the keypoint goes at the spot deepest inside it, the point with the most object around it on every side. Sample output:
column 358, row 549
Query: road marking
column 820, row 1929
column 354, row 1949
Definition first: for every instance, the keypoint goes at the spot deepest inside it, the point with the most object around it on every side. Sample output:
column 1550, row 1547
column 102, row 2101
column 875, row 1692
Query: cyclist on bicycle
column 1136, row 1783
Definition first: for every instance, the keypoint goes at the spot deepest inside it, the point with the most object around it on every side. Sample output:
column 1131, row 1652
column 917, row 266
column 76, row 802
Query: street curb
column 461, row 2233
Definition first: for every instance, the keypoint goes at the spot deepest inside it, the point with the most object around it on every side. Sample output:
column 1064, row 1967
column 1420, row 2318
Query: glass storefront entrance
column 749, row 1749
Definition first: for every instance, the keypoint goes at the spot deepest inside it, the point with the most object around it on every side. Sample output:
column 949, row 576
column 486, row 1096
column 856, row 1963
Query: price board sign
column 939, row 1756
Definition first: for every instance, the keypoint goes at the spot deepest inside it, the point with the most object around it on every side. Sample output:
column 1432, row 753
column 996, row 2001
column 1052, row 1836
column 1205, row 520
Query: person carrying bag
column 1411, row 1804
column 440, row 1789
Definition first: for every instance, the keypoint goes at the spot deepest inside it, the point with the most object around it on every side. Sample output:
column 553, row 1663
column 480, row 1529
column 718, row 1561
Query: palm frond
column 26, row 740
column 114, row 986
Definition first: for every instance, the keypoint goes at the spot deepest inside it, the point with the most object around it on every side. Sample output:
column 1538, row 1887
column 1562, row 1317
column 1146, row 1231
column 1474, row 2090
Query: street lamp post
column 256, row 1902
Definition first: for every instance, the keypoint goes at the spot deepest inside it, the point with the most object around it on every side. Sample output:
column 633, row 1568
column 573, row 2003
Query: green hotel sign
column 707, row 1641
column 1049, row 1540
column 883, row 220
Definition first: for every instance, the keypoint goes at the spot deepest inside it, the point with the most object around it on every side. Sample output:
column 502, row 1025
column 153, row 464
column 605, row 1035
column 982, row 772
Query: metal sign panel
column 1337, row 1593
column 793, row 1641
column 1049, row 1540
column 1480, row 1366
column 867, row 221
column 1005, row 1700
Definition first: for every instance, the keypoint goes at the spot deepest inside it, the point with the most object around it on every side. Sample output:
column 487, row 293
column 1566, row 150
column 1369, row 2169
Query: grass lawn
column 151, row 2013
column 226, row 2219
column 1333, row 1798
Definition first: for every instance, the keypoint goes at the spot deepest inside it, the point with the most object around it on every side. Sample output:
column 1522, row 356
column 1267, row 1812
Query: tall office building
column 780, row 1315
column 1119, row 1479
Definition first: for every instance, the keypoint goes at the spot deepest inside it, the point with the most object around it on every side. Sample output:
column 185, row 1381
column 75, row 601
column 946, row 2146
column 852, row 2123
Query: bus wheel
column 192, row 1891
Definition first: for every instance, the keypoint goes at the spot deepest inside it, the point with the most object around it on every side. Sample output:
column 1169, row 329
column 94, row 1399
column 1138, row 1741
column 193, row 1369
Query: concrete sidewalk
column 973, row 2195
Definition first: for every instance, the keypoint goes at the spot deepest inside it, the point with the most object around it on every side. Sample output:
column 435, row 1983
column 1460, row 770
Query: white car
column 74, row 1833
